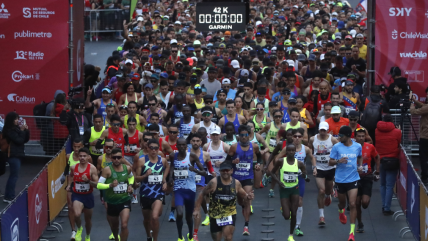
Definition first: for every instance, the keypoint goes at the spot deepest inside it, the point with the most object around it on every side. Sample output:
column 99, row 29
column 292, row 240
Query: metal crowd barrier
column 47, row 136
column 104, row 21
column 35, row 209
column 409, row 140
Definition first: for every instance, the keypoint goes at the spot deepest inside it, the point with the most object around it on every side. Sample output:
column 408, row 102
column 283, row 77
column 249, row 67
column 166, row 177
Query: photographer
column 423, row 140
column 76, row 120
column 400, row 94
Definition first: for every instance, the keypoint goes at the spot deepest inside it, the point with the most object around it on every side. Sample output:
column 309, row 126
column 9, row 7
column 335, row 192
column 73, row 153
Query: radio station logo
column 37, row 13
column 29, row 55
column 29, row 34
column 4, row 13
column 14, row 230
column 21, row 99
column 411, row 35
column 38, row 208
column 415, row 55
column 17, row 76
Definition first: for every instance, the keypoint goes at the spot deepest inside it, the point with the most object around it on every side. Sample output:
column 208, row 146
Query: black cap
column 354, row 113
column 292, row 100
column 208, row 97
column 346, row 131
column 212, row 69
column 395, row 71
column 153, row 127
column 273, row 103
column 226, row 165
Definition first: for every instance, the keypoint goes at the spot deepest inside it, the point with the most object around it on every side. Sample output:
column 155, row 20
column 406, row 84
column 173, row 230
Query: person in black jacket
column 16, row 136
column 77, row 120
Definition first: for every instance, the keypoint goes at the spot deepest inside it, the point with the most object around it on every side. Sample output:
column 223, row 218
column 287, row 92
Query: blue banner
column 14, row 221
column 413, row 202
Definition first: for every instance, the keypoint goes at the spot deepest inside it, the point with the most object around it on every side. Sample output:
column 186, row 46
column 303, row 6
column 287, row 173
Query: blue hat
column 309, row 11
column 190, row 49
column 334, row 19
column 340, row 24
column 155, row 47
column 106, row 89
column 156, row 76
column 164, row 75
column 149, row 85
column 312, row 57
column 258, row 34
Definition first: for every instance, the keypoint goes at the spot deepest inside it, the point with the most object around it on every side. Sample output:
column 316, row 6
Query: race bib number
column 289, row 177
column 224, row 221
column 81, row 187
column 120, row 188
column 272, row 142
column 322, row 159
column 243, row 166
column 198, row 178
column 132, row 148
column 155, row 179
column 181, row 174
column 365, row 168
column 97, row 151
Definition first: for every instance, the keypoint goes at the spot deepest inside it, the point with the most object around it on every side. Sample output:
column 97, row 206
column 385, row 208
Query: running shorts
column 86, row 199
column 288, row 192
column 327, row 174
column 114, row 210
column 214, row 228
column 365, row 185
column 345, row 187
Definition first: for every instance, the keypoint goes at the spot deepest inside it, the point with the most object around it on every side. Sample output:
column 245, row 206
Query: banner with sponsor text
column 34, row 63
column 401, row 39
column 413, row 199
column 38, row 206
column 56, row 190
column 14, row 220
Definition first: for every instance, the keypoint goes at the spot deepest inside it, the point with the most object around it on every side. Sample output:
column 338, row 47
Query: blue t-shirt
column 346, row 172
column 277, row 97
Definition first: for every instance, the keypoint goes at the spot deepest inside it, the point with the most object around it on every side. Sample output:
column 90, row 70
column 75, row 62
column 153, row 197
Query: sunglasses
column 173, row 132
column 116, row 157
column 108, row 147
column 298, row 136
column 243, row 135
column 110, row 105
column 286, row 93
column 208, row 102
column 206, row 114
column 360, row 129
column 146, row 140
column 115, row 124
column 353, row 119
column 260, row 109
column 153, row 147
column 152, row 104
column 278, row 116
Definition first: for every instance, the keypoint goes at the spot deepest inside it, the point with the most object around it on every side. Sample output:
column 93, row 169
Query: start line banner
column 401, row 39
column 34, row 64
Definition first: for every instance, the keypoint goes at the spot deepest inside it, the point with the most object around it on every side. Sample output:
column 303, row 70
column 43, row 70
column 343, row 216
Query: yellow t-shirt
column 363, row 52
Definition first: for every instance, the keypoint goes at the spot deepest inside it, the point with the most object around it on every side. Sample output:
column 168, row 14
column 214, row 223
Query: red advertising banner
column 402, row 181
column 38, row 206
column 401, row 39
column 78, row 43
column 34, row 62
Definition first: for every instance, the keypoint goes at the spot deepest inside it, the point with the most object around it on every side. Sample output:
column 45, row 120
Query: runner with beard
column 351, row 100
column 206, row 122
column 242, row 154
column 335, row 122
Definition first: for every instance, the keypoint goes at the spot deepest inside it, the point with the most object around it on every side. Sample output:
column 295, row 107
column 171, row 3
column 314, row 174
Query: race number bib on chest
column 272, row 142
column 81, row 187
column 289, row 177
column 224, row 221
column 120, row 188
column 181, row 174
column 155, row 179
column 322, row 159
column 198, row 178
column 243, row 166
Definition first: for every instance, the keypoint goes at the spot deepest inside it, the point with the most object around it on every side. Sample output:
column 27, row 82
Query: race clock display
column 222, row 16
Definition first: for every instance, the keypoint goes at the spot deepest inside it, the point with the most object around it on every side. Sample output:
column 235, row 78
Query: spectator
column 16, row 135
column 423, row 135
column 60, row 132
column 400, row 90
column 76, row 120
column 388, row 146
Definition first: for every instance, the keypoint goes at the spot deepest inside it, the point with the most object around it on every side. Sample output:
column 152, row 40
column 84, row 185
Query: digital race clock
column 223, row 16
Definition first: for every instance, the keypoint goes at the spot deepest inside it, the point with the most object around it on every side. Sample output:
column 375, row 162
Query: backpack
column 372, row 114
column 40, row 110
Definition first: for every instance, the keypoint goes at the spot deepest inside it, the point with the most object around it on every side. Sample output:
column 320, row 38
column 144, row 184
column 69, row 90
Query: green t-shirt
column 118, row 194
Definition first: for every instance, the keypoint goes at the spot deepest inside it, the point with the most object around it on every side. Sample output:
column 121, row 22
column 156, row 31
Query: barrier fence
column 104, row 21
column 37, row 206
column 413, row 198
column 410, row 123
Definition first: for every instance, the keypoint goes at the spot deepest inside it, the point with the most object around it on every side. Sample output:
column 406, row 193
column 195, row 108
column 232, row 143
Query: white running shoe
column 134, row 199
column 73, row 235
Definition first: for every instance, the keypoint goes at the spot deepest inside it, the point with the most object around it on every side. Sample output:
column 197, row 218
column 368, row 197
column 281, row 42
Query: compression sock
column 195, row 231
column 208, row 207
column 352, row 228
column 246, row 224
column 321, row 210
column 299, row 216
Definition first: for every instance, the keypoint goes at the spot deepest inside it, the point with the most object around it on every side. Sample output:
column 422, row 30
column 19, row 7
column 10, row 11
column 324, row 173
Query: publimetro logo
column 4, row 13
column 29, row 34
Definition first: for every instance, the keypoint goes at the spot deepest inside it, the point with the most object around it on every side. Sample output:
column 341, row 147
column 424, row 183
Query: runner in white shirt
column 321, row 144
column 207, row 114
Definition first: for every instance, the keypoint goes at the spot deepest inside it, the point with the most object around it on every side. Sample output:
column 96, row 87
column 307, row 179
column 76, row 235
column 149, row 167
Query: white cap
column 235, row 64
column 334, row 14
column 323, row 126
column 128, row 61
column 295, row 6
column 130, row 35
column 225, row 81
column 336, row 110
column 317, row 11
column 358, row 14
column 290, row 63
column 140, row 19
column 322, row 56
column 353, row 32
column 177, row 22
column 173, row 41
column 245, row 72
column 258, row 23
column 298, row 51
column 216, row 130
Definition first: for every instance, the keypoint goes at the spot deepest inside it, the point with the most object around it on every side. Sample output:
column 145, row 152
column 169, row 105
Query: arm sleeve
column 210, row 167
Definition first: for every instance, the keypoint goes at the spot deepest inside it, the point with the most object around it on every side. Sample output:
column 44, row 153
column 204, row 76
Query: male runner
column 116, row 133
column 207, row 113
column 222, row 192
column 289, row 168
column 154, row 119
column 82, row 197
column 182, row 176
column 101, row 103
column 117, row 181
column 242, row 154
column 132, row 112
column 95, row 133
column 232, row 117
column 366, row 176
column 321, row 144
column 150, row 171
column 186, row 123
column 154, row 108
column 347, row 156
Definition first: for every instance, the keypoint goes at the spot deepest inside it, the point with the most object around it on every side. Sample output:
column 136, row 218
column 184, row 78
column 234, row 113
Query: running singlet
column 271, row 136
column 369, row 153
column 118, row 194
column 223, row 200
column 177, row 114
column 80, row 186
column 286, row 118
column 289, row 173
column 94, row 136
column 183, row 177
column 133, row 144
column 235, row 123
column 322, row 151
column 137, row 117
column 218, row 155
column 230, row 143
column 244, row 169
column 259, row 126
column 117, row 138
column 353, row 132
column 301, row 155
column 102, row 109
column 209, row 129
column 322, row 102
column 149, row 114
column 185, row 129
column 104, row 162
column 71, row 161
column 151, row 187
column 346, row 172
column 200, row 180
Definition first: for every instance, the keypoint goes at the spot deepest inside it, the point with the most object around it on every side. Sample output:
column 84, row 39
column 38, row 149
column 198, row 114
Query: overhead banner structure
column 34, row 40
column 401, row 39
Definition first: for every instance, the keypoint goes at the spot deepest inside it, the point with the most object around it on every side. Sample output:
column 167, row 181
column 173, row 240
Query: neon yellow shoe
column 79, row 234
column 206, row 222
column 189, row 237
column 111, row 237
column 181, row 239
column 290, row 238
column 87, row 238
column 251, row 209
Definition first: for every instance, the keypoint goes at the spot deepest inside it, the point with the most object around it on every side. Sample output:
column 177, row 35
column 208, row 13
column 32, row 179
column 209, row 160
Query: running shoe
column 195, row 237
column 351, row 237
column 111, row 237
column 327, row 201
column 322, row 221
column 342, row 217
column 134, row 199
column 246, row 232
column 360, row 228
column 7, row 201
column 171, row 217
column 73, row 235
column 251, row 209
column 271, row 193
column 264, row 180
column 188, row 237
column 261, row 184
column 298, row 232
column 206, row 222
column 290, row 238
column 87, row 238
column 181, row 239
column 334, row 193
column 79, row 234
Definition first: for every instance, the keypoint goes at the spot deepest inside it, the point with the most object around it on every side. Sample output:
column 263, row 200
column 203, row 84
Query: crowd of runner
column 208, row 117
